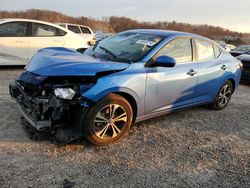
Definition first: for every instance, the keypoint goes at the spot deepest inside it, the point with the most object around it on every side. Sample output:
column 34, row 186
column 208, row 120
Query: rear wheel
column 108, row 121
column 223, row 97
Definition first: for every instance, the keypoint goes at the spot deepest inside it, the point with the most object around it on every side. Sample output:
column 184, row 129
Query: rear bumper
column 29, row 108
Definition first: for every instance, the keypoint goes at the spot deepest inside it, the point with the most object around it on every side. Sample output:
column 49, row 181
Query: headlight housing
column 64, row 93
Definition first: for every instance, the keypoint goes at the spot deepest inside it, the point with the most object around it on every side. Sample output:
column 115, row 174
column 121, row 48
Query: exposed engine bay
column 53, row 104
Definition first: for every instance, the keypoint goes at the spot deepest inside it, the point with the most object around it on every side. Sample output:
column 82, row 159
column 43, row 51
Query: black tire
column 218, row 104
column 112, row 106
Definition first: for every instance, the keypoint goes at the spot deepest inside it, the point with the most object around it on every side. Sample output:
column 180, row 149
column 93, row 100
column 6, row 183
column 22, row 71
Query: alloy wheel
column 110, row 121
column 224, row 96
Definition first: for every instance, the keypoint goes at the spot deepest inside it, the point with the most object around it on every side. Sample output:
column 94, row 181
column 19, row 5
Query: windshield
column 125, row 47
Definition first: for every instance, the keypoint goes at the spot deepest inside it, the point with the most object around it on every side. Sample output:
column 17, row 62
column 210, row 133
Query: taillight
column 94, row 37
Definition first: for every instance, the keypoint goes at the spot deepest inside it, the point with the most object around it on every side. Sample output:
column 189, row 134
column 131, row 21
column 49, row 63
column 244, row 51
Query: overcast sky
column 231, row 14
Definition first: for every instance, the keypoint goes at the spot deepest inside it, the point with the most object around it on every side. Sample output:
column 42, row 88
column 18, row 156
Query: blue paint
column 63, row 62
column 156, row 90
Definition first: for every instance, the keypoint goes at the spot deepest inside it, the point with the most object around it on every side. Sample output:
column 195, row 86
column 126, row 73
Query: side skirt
column 168, row 111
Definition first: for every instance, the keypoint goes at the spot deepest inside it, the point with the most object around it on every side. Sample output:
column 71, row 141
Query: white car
column 230, row 47
column 21, row 38
column 82, row 30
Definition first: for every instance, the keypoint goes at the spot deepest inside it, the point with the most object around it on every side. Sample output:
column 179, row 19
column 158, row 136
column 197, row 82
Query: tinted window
column 179, row 49
column 60, row 32
column 205, row 50
column 13, row 29
column 42, row 30
column 74, row 28
column 85, row 30
column 217, row 51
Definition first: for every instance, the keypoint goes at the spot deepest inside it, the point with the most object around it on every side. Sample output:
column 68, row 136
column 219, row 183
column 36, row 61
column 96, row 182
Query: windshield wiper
column 108, row 52
column 96, row 44
column 113, row 55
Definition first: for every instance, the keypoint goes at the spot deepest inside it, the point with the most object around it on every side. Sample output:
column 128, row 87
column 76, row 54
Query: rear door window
column 85, row 30
column 43, row 30
column 74, row 28
column 205, row 50
column 13, row 29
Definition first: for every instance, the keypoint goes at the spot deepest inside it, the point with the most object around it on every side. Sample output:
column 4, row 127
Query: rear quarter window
column 85, row 30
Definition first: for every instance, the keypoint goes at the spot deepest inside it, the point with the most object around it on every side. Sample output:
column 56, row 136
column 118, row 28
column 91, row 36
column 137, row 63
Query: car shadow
column 245, row 83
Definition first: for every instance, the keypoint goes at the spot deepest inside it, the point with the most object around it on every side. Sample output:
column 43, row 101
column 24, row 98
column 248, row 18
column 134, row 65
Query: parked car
column 221, row 43
column 227, row 47
column 127, row 78
column 245, row 59
column 102, row 35
column 82, row 30
column 240, row 50
column 21, row 38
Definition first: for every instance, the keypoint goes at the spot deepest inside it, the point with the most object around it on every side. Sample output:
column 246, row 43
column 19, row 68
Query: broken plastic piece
column 65, row 93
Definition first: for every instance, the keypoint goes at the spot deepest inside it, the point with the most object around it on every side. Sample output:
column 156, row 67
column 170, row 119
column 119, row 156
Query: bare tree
column 117, row 24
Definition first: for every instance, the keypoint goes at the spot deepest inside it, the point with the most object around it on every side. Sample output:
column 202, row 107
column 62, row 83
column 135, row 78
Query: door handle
column 191, row 72
column 224, row 67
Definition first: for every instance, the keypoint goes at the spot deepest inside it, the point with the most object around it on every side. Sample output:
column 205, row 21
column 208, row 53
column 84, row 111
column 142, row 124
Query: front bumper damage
column 30, row 108
column 62, row 119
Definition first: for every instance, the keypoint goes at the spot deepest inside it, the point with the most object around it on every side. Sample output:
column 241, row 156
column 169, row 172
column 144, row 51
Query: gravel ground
column 197, row 147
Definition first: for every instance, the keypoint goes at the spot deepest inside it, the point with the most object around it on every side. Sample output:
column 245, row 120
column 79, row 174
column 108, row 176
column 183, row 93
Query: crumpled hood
column 66, row 62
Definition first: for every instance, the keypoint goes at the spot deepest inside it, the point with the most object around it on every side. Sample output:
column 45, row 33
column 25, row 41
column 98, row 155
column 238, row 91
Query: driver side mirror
column 165, row 61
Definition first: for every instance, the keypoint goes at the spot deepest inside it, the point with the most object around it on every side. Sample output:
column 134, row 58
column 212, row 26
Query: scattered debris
column 68, row 184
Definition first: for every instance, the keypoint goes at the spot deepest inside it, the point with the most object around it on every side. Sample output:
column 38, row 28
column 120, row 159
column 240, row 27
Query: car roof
column 74, row 24
column 167, row 33
column 30, row 20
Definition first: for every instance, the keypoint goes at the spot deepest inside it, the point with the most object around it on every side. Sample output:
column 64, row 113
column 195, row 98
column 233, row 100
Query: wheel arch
column 128, row 94
column 232, row 78
column 131, row 101
column 233, row 82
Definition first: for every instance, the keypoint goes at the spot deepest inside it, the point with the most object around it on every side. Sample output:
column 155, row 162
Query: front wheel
column 223, row 97
column 108, row 121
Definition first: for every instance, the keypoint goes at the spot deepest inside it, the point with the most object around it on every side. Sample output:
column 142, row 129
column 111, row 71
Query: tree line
column 117, row 24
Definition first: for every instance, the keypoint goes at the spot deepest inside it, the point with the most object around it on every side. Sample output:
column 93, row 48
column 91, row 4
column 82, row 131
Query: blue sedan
column 129, row 77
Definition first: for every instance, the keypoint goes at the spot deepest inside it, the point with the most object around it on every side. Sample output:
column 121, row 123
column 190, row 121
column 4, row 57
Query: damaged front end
column 53, row 104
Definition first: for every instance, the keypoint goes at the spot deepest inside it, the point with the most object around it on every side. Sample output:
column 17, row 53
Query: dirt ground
column 197, row 147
